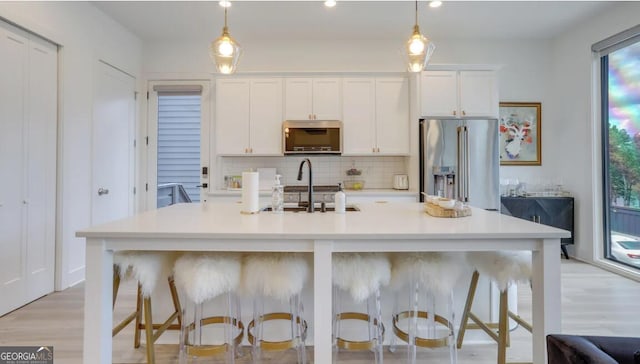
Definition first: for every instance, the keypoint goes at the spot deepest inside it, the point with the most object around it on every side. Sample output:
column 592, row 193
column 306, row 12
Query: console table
column 552, row 211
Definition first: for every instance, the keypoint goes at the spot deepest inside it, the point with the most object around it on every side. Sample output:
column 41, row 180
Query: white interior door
column 28, row 115
column 13, row 74
column 112, row 144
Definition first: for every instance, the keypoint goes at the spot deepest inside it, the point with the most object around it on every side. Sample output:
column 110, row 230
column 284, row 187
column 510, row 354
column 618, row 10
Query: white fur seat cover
column 361, row 274
column 502, row 267
column 145, row 267
column 437, row 271
column 277, row 275
column 203, row 276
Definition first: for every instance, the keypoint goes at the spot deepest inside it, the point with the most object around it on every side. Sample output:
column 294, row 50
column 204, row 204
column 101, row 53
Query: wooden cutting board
column 439, row 211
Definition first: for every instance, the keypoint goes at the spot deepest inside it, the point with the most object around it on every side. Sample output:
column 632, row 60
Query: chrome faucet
column 310, row 206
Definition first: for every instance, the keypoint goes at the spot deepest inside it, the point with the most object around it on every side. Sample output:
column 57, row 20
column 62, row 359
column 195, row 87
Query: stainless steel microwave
column 312, row 137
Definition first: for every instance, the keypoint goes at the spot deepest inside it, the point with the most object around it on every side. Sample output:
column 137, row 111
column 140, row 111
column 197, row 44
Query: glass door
column 178, row 144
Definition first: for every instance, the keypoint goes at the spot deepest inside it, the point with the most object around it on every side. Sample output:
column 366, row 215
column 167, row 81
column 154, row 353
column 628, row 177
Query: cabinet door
column 392, row 116
column 327, row 99
column 358, row 116
column 298, row 103
column 438, row 93
column 232, row 116
column 556, row 212
column 265, row 129
column 523, row 208
column 478, row 94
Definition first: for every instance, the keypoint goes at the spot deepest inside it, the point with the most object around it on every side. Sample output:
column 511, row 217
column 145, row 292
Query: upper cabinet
column 312, row 99
column 459, row 94
column 249, row 116
column 376, row 116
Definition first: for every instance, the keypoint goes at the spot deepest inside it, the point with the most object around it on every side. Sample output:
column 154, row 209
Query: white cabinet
column 249, row 116
column 459, row 93
column 312, row 99
column 376, row 116
column 28, row 110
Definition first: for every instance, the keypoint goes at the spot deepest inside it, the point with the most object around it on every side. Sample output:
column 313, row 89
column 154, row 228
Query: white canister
column 401, row 182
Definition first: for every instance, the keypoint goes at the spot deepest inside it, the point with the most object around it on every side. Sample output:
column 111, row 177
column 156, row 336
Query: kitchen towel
column 250, row 194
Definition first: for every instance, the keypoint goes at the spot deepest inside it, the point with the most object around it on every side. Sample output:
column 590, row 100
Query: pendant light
column 225, row 51
column 419, row 48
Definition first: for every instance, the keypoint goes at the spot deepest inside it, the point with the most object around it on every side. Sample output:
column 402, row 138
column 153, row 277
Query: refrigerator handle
column 462, row 183
column 467, row 167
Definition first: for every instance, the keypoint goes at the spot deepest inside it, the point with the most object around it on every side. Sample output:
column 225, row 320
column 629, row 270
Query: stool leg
column 175, row 298
column 197, row 320
column 148, row 328
column 184, row 338
column 430, row 305
column 453, row 353
column 413, row 320
column 136, row 335
column 296, row 313
column 375, row 325
column 503, row 327
column 229, row 330
column 467, row 308
column 116, row 284
column 393, row 342
column 336, row 321
column 238, row 316
column 258, row 308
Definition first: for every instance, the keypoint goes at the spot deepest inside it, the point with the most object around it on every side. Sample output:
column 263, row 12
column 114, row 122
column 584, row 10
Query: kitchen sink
column 304, row 209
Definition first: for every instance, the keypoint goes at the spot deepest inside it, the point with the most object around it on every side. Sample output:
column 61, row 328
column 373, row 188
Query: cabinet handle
column 251, row 150
column 454, row 113
column 464, row 113
column 533, row 218
column 378, row 150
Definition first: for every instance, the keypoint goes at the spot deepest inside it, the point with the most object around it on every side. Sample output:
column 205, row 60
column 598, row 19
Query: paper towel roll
column 250, row 192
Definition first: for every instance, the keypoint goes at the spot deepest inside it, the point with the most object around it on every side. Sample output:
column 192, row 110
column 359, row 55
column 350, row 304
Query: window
column 620, row 76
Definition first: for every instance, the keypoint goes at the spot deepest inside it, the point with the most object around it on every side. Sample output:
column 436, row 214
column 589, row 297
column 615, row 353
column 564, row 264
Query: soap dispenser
column 341, row 200
column 277, row 197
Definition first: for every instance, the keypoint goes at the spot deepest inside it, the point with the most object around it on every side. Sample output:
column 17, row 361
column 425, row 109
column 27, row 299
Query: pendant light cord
column 416, row 12
column 225, row 17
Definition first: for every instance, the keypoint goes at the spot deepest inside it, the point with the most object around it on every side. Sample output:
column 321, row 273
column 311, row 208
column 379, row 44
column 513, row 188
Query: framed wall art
column 520, row 132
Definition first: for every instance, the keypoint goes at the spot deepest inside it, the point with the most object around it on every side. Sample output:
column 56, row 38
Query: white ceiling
column 357, row 20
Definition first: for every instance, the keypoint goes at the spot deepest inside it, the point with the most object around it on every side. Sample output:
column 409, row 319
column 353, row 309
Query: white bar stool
column 429, row 276
column 361, row 275
column 503, row 268
column 203, row 277
column 147, row 268
column 280, row 277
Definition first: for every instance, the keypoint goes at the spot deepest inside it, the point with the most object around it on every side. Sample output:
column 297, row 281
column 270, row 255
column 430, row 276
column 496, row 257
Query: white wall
column 574, row 143
column 85, row 35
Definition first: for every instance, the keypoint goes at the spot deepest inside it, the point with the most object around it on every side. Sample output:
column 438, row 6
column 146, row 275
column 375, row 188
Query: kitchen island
column 377, row 227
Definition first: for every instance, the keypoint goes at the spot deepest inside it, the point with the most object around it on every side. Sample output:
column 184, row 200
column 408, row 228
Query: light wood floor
column 594, row 302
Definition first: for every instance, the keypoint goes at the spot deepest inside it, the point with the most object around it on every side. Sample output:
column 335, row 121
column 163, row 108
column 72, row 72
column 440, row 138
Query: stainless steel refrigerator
column 459, row 159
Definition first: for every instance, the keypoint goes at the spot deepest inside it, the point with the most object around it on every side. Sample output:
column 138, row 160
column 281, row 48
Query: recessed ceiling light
column 435, row 4
column 224, row 3
column 330, row 3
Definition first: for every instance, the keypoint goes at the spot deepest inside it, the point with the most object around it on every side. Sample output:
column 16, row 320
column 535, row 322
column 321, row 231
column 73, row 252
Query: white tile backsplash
column 377, row 172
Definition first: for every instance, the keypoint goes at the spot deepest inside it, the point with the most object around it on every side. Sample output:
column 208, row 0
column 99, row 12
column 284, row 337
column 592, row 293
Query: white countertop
column 402, row 220
column 373, row 192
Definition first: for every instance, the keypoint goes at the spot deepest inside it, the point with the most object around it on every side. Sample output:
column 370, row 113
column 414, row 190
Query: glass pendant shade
column 225, row 51
column 419, row 50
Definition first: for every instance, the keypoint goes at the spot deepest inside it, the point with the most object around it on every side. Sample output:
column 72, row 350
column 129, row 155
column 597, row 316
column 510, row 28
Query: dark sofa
column 573, row 349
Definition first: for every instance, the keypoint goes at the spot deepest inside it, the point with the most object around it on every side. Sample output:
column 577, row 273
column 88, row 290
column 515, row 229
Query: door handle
column 103, row 191
column 204, row 185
